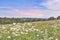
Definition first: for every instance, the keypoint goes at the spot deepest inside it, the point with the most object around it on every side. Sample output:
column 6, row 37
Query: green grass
column 44, row 30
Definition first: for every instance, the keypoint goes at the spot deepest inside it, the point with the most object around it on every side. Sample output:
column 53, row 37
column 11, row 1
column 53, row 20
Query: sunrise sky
column 29, row 8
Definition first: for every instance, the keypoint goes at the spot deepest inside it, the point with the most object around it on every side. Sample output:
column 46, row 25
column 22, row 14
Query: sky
column 30, row 8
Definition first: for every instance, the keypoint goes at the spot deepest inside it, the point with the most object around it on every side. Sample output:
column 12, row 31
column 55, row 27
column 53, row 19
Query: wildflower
column 9, row 25
column 8, row 32
column 29, row 24
column 30, row 29
column 41, row 31
column 16, row 34
column 14, row 23
column 9, row 37
column 52, row 25
column 26, row 33
column 19, row 26
column 13, row 28
column 41, row 39
column 59, row 25
column 56, row 39
column 34, row 29
column 13, row 39
column 23, row 28
column 13, row 32
column 37, row 30
column 26, row 30
column 22, row 33
column 50, row 37
column 0, row 36
column 17, row 29
column 37, row 35
column 3, row 27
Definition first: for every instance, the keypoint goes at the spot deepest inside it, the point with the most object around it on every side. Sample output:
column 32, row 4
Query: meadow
column 42, row 30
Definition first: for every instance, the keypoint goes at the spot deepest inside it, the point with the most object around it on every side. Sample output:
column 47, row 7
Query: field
column 44, row 30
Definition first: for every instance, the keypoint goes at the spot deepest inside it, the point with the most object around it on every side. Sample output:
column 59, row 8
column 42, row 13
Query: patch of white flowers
column 18, row 29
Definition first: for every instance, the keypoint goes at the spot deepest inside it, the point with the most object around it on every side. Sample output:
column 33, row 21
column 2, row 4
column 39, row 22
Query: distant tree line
column 53, row 18
column 6, row 20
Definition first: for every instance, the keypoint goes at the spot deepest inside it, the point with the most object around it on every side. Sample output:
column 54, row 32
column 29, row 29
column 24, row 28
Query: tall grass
column 48, row 30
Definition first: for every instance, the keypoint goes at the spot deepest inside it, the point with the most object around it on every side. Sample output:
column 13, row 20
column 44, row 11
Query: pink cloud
column 29, row 13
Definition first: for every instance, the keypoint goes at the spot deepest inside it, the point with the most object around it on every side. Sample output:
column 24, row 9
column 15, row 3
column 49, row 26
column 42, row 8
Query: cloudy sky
column 30, row 8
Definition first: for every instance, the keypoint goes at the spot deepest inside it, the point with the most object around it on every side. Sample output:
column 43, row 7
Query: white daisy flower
column 22, row 32
column 56, row 39
column 37, row 35
column 14, row 23
column 9, row 37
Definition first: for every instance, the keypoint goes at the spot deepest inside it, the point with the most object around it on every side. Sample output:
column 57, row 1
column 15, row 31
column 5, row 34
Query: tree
column 58, row 17
column 51, row 18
